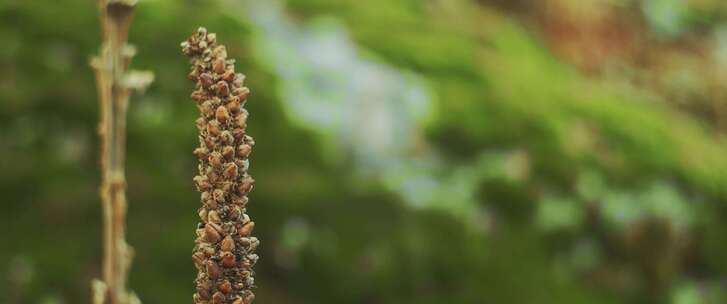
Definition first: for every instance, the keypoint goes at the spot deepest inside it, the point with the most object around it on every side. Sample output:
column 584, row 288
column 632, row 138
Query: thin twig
column 113, row 85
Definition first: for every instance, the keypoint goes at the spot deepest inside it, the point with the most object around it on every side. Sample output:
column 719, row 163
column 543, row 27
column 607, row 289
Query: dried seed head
column 223, row 246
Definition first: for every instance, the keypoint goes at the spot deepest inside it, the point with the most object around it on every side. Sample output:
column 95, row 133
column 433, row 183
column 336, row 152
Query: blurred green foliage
column 575, row 189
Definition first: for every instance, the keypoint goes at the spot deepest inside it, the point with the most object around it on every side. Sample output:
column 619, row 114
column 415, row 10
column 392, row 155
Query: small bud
column 225, row 287
column 199, row 96
column 222, row 114
column 206, row 80
column 213, row 271
column 227, row 137
column 219, row 65
column 241, row 120
column 202, row 183
column 218, row 195
column 223, row 89
column 202, row 214
column 242, row 92
column 218, row 298
column 239, row 80
column 228, row 152
column 198, row 258
column 201, row 152
column 249, row 298
column 220, row 51
column 228, row 244
column 215, row 159
column 213, row 217
column 244, row 150
column 246, row 185
column 247, row 229
column 228, row 76
column 234, row 105
column 230, row 171
column 213, row 128
column 210, row 233
column 228, row 259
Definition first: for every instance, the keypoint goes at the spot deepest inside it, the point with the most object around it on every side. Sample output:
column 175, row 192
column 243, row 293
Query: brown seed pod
column 227, row 137
column 218, row 195
column 198, row 259
column 222, row 114
column 234, row 105
column 230, row 171
column 213, row 217
column 239, row 80
column 222, row 89
column 215, row 159
column 213, row 128
column 249, row 298
column 228, row 152
column 228, row 259
column 213, row 271
column 242, row 93
column 228, row 244
column 210, row 233
column 219, row 65
column 225, row 287
column 246, row 185
column 218, row 298
column 206, row 80
column 244, row 150
column 246, row 230
column 228, row 76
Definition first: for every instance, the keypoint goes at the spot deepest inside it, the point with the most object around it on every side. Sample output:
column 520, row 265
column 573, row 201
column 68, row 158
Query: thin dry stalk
column 114, row 83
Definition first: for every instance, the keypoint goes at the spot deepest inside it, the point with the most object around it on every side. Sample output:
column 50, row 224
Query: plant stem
column 114, row 84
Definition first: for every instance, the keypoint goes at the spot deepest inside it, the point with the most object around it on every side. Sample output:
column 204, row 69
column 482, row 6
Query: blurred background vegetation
column 408, row 151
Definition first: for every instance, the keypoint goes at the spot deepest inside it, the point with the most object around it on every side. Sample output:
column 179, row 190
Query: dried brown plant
column 114, row 85
column 224, row 248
